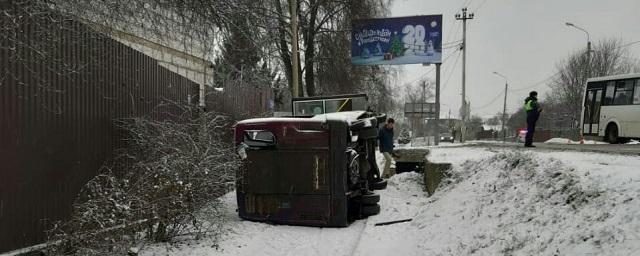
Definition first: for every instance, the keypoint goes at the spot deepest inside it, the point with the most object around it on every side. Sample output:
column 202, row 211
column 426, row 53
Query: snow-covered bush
column 160, row 186
column 404, row 137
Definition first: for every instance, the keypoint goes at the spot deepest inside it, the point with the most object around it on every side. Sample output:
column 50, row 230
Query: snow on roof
column 487, row 127
column 277, row 119
column 616, row 77
column 348, row 116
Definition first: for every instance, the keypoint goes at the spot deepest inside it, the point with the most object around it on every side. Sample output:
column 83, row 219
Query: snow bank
column 498, row 202
column 568, row 141
column 512, row 203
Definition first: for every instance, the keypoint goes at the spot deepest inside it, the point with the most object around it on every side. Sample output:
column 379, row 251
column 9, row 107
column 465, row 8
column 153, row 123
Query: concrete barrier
column 434, row 173
column 410, row 159
column 414, row 160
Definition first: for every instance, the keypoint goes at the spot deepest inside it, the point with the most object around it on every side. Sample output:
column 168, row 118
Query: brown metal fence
column 242, row 102
column 56, row 117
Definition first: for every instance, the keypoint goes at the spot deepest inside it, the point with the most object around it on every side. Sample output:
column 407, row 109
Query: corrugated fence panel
column 241, row 102
column 56, row 126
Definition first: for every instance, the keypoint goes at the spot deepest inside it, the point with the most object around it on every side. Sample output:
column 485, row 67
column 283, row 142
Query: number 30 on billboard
column 397, row 41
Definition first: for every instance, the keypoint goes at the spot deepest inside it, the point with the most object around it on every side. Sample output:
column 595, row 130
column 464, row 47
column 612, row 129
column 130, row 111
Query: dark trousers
column 531, row 129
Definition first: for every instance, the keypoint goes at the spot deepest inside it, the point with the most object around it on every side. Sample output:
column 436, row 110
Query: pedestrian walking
column 533, row 113
column 385, row 135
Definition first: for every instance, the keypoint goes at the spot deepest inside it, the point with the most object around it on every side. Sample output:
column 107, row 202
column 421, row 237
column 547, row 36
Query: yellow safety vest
column 528, row 106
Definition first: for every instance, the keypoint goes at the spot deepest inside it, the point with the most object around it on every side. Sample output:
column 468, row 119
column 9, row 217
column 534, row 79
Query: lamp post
column 569, row 24
column 504, row 108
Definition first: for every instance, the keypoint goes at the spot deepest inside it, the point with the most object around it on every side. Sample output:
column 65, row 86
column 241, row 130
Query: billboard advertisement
column 426, row 109
column 397, row 41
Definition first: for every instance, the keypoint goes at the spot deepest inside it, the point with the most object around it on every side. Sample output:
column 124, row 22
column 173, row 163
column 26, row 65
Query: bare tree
column 609, row 57
column 422, row 91
column 325, row 54
column 495, row 120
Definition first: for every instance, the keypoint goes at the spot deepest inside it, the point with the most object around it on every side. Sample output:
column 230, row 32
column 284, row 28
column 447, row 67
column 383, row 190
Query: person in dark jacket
column 385, row 135
column 533, row 113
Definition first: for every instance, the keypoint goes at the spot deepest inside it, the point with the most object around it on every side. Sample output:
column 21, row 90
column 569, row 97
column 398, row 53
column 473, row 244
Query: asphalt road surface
column 623, row 149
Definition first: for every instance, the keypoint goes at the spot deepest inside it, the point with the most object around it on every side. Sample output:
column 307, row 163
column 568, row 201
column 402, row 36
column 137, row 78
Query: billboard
column 423, row 109
column 397, row 41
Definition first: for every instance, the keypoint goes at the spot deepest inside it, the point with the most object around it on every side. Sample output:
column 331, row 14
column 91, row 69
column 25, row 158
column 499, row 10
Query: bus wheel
column 612, row 134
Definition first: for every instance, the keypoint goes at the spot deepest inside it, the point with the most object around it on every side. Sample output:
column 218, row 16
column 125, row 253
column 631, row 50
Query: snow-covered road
column 499, row 202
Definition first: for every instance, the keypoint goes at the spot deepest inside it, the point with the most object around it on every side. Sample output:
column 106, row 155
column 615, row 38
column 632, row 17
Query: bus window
column 624, row 93
column 608, row 97
column 636, row 94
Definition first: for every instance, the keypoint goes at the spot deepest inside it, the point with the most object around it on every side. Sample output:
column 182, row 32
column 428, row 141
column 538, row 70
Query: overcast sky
column 520, row 39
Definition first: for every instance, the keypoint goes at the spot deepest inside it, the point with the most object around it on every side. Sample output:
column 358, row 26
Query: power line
column 619, row 47
column 456, row 23
column 491, row 102
column 451, row 73
column 627, row 45
column 535, row 84
column 452, row 46
column 453, row 42
column 480, row 6
column 455, row 32
column 466, row 2
column 428, row 72
column 516, row 90
column 419, row 78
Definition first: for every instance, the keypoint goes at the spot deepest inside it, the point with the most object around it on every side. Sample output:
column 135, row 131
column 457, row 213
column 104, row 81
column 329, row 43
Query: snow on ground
column 254, row 238
column 402, row 199
column 423, row 142
column 568, row 141
column 498, row 202
column 517, row 203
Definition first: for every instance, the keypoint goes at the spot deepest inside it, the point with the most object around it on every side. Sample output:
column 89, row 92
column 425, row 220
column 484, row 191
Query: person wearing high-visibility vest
column 533, row 113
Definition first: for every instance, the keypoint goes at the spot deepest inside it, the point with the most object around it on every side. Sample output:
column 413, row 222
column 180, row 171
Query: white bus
column 611, row 108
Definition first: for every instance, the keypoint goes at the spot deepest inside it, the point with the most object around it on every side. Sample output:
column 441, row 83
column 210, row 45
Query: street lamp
column 569, row 24
column 504, row 109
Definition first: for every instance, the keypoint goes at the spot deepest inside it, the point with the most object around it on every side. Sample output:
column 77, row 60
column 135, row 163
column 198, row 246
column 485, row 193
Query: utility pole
column 451, row 125
column 589, row 58
column 504, row 113
column 293, row 4
column 504, row 108
column 464, row 17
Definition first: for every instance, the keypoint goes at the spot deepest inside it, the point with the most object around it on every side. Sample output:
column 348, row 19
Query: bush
column 171, row 173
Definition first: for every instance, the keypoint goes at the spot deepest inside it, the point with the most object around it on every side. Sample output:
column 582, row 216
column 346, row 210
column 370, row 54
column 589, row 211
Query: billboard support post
column 437, row 117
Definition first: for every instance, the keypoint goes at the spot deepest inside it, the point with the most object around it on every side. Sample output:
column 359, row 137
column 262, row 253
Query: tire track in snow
column 358, row 241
